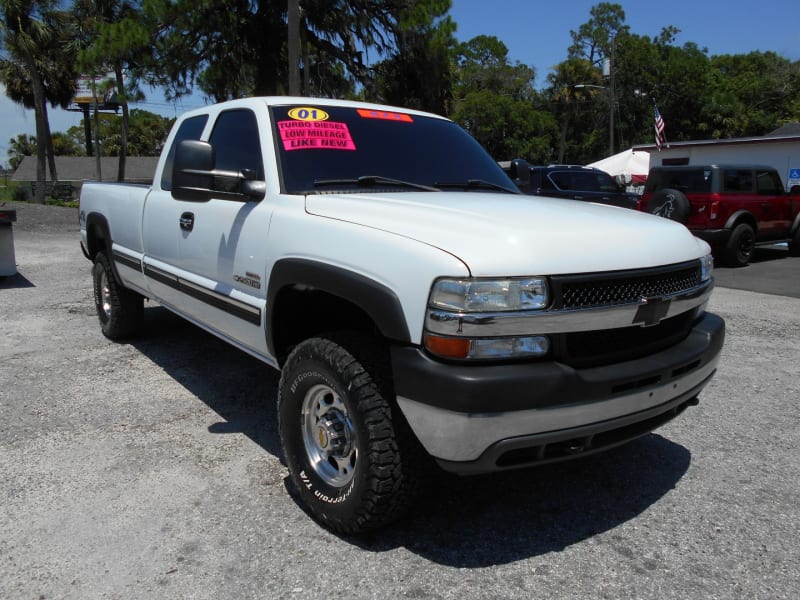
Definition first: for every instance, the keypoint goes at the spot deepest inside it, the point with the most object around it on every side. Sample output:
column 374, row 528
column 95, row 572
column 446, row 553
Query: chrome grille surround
column 596, row 301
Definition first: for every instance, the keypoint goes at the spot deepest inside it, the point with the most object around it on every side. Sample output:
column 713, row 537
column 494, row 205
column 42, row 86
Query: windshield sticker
column 307, row 113
column 315, row 135
column 384, row 116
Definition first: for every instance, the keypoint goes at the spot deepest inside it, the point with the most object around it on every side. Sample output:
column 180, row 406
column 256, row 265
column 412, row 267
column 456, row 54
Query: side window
column 768, row 183
column 235, row 141
column 553, row 181
column 190, row 129
column 738, row 180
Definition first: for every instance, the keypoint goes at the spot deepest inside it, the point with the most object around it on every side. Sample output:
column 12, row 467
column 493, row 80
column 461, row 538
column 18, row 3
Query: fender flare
column 741, row 215
column 379, row 302
column 99, row 221
column 795, row 226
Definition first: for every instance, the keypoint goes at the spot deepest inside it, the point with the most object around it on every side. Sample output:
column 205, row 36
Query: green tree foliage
column 700, row 97
column 37, row 67
column 495, row 102
column 147, row 133
column 242, row 50
column 65, row 145
column 577, row 97
column 749, row 94
column 594, row 39
column 419, row 72
column 19, row 147
column 115, row 40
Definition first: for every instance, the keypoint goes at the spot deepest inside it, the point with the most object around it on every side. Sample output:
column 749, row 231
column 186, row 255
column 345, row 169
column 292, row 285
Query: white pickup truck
column 421, row 310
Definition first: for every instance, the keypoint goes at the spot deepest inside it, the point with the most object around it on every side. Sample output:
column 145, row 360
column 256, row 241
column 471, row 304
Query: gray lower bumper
column 600, row 399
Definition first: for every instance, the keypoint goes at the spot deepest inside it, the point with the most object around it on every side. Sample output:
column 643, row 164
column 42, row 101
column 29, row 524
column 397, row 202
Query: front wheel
column 119, row 310
column 794, row 244
column 349, row 459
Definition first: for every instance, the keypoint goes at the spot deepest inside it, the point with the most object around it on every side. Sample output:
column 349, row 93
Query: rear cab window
column 325, row 149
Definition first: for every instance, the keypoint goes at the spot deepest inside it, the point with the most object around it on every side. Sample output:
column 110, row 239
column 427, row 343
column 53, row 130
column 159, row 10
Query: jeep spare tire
column 670, row 204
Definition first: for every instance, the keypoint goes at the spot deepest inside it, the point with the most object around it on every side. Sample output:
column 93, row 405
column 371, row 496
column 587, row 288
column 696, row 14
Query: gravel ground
column 152, row 469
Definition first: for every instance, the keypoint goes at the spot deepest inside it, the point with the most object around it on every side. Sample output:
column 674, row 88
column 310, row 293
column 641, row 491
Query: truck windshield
column 324, row 149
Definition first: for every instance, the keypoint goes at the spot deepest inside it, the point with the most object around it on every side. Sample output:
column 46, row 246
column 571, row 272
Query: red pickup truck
column 732, row 207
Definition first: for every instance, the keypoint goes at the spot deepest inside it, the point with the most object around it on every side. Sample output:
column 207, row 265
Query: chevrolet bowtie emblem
column 651, row 311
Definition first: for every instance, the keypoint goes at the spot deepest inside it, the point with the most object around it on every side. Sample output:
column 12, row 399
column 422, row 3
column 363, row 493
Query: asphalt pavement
column 153, row 470
column 771, row 271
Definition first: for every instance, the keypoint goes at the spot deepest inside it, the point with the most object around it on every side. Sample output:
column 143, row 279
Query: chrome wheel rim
column 328, row 436
column 105, row 296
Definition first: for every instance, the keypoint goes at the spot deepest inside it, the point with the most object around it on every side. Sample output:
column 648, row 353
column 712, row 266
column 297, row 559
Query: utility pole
column 608, row 73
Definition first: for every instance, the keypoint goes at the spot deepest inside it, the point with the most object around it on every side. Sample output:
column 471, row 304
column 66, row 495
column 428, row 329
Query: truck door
column 775, row 202
column 161, row 223
column 221, row 244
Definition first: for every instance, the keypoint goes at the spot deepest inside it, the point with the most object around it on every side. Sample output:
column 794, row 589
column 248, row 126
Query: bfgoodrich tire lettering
column 346, row 454
column 119, row 310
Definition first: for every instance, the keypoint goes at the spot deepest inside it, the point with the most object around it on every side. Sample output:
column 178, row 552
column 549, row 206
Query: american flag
column 660, row 137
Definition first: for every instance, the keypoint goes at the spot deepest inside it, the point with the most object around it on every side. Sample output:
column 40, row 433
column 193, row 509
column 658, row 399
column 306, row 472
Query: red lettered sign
column 384, row 115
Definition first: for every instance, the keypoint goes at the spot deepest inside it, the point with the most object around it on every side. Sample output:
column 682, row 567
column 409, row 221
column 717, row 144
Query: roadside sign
column 794, row 178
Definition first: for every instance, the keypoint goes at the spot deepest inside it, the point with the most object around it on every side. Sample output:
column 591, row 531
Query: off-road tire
column 351, row 457
column 739, row 249
column 119, row 309
column 670, row 204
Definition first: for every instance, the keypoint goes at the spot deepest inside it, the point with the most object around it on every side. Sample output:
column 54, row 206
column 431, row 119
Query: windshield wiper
column 473, row 184
column 372, row 180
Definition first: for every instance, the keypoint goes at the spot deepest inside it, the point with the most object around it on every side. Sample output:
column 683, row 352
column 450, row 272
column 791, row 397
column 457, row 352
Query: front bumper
column 474, row 418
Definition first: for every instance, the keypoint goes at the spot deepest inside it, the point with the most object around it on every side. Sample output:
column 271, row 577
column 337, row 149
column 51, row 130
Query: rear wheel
column 739, row 249
column 350, row 458
column 119, row 310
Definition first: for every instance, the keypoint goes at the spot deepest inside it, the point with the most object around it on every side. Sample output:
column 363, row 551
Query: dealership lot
column 152, row 469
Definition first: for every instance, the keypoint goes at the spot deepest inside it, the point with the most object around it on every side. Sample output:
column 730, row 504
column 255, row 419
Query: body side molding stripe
column 127, row 261
column 239, row 309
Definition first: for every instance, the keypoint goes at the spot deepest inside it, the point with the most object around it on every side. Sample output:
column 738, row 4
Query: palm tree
column 573, row 80
column 19, row 147
column 22, row 33
column 34, row 33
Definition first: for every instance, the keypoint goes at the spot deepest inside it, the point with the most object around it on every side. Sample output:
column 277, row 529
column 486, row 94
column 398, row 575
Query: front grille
column 608, row 346
column 623, row 287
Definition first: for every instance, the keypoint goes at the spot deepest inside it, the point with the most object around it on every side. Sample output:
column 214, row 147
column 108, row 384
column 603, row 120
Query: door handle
column 187, row 221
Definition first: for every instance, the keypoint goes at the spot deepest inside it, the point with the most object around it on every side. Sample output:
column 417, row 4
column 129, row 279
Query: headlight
column 457, row 297
column 706, row 268
column 490, row 295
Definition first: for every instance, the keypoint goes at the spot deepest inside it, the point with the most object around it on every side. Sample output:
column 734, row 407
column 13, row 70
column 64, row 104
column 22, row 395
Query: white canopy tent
column 633, row 166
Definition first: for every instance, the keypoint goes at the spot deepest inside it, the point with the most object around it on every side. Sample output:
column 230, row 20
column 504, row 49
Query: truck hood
column 507, row 234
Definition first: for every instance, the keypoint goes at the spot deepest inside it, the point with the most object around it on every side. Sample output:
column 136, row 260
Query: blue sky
column 536, row 33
